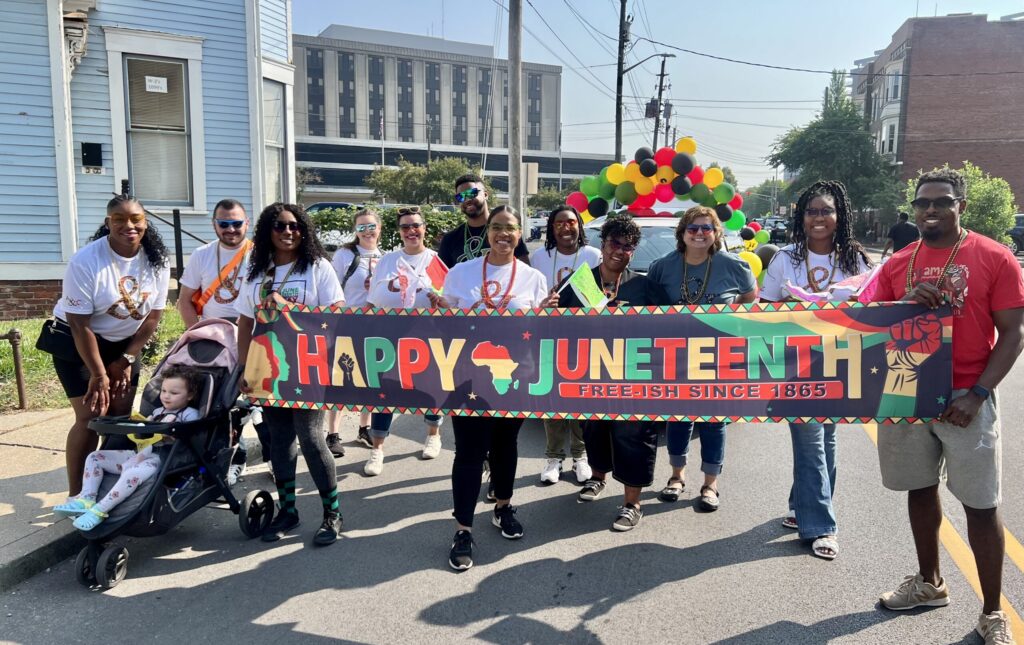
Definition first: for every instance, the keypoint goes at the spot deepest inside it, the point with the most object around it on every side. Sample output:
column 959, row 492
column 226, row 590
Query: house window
column 273, row 140
column 894, row 86
column 891, row 145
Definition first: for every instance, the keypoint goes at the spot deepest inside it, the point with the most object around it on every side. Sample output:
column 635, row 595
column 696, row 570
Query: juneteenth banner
column 845, row 363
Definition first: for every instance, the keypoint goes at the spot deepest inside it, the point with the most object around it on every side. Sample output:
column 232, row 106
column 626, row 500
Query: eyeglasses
column 281, row 227
column 619, row 246
column 503, row 228
column 703, row 228
column 566, row 223
column 225, row 224
column 469, row 193
column 940, row 203
column 823, row 212
column 134, row 218
column 363, row 228
column 411, row 226
column 408, row 210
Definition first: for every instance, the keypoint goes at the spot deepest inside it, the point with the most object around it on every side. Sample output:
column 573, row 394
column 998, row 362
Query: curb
column 54, row 551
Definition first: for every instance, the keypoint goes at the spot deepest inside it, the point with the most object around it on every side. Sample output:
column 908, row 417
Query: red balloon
column 696, row 175
column 636, row 206
column 664, row 156
column 644, row 212
column 664, row 193
column 736, row 201
column 755, row 226
column 646, row 201
column 578, row 201
column 665, row 214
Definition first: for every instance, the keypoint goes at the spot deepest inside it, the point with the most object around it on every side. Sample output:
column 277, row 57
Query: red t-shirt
column 984, row 278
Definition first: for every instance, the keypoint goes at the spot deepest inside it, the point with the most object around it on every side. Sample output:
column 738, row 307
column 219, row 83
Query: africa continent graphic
column 496, row 358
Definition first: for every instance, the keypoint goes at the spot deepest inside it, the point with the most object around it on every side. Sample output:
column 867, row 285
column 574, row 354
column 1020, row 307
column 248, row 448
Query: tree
column 837, row 145
column 548, row 196
column 304, row 178
column 759, row 200
column 730, row 176
column 990, row 203
column 412, row 183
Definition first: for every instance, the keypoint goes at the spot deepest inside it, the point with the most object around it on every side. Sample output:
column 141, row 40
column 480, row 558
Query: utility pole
column 515, row 112
column 623, row 37
column 667, row 111
column 661, row 90
column 559, row 157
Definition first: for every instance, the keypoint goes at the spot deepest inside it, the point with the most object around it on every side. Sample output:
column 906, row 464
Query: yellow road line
column 963, row 557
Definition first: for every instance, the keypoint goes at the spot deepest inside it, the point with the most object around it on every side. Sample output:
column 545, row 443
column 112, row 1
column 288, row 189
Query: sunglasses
column 411, row 226
column 281, row 227
column 363, row 228
column 704, row 228
column 225, row 224
column 408, row 210
column 823, row 212
column 619, row 246
column 940, row 203
column 566, row 223
column 503, row 228
column 136, row 218
column 469, row 193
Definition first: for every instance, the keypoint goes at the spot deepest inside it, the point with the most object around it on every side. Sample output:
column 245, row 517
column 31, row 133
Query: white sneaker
column 552, row 471
column 234, row 472
column 582, row 469
column 375, row 464
column 432, row 446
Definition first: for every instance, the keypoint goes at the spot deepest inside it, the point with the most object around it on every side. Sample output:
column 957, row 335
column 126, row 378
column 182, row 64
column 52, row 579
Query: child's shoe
column 73, row 507
column 90, row 519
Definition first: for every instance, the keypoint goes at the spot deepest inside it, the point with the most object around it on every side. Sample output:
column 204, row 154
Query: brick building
column 948, row 89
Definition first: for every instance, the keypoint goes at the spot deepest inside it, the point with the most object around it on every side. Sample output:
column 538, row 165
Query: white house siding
column 29, row 222
column 274, row 29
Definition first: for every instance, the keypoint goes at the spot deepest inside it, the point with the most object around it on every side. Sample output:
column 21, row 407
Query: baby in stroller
column 178, row 391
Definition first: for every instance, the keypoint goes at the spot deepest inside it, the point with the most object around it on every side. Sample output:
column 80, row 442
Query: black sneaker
column 629, row 517
column 280, row 526
column 329, row 529
column 592, row 489
column 363, row 436
column 460, row 557
column 505, row 519
column 334, row 445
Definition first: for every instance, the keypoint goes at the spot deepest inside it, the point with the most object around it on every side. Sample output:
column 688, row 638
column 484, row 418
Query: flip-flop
column 789, row 522
column 823, row 545
column 671, row 493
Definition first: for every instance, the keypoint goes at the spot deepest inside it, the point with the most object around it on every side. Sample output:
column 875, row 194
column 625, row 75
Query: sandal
column 90, row 519
column 671, row 492
column 708, row 499
column 789, row 521
column 826, row 547
column 74, row 507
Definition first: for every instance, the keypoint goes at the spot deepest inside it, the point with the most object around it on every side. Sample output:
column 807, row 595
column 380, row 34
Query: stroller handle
column 124, row 425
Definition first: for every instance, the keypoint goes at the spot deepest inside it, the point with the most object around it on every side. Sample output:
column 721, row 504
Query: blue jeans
column 712, row 444
column 814, row 478
column 380, row 423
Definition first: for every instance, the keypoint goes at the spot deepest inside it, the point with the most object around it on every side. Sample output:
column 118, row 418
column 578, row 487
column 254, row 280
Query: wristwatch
column 129, row 357
column 981, row 391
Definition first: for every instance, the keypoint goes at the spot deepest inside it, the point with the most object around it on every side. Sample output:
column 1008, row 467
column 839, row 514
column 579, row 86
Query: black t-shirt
column 635, row 290
column 457, row 246
column 902, row 234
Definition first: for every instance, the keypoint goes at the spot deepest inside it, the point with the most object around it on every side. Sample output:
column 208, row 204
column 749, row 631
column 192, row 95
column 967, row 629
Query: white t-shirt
column 203, row 270
column 781, row 269
column 462, row 287
column 358, row 286
column 557, row 267
column 317, row 286
column 398, row 267
column 117, row 292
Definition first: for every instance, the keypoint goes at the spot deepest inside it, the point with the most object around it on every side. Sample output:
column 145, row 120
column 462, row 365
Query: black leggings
column 308, row 426
column 475, row 438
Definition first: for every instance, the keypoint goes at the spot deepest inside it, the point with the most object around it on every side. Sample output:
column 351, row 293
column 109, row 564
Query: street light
column 618, row 101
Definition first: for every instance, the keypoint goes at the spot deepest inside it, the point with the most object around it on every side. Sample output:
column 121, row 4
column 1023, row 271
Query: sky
column 734, row 111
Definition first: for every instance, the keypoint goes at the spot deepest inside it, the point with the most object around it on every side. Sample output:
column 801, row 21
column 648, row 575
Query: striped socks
column 286, row 496
column 330, row 501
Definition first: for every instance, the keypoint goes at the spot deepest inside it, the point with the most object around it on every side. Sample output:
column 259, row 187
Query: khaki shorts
column 970, row 459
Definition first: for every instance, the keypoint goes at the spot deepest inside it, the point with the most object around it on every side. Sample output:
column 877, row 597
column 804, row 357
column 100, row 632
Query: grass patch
column 41, row 384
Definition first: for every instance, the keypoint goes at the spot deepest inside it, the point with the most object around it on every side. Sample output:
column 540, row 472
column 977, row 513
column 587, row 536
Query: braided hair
column 152, row 242
column 549, row 235
column 310, row 248
column 847, row 249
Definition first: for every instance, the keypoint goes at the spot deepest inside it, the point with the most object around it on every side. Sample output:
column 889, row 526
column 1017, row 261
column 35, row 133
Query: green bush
column 990, row 203
column 340, row 220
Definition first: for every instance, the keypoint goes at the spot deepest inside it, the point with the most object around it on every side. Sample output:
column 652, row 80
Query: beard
column 931, row 235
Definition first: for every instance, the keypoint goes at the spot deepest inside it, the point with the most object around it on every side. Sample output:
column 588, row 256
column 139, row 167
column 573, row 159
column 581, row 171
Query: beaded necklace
column 689, row 298
column 554, row 264
column 811, row 281
column 945, row 269
column 610, row 294
column 487, row 297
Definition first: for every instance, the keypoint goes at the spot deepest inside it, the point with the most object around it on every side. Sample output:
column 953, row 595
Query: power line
column 586, row 22
column 567, row 48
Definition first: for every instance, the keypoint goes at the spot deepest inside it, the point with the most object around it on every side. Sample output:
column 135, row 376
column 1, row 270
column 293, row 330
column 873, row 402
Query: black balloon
column 682, row 185
column 747, row 233
column 648, row 167
column 597, row 207
column 766, row 252
column 683, row 163
column 724, row 212
column 643, row 153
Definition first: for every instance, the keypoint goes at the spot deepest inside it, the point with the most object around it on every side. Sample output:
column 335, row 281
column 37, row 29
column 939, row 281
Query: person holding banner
column 981, row 281
column 289, row 265
column 354, row 263
column 402, row 281
column 565, row 250
column 627, row 449
column 495, row 281
column 700, row 272
column 824, row 252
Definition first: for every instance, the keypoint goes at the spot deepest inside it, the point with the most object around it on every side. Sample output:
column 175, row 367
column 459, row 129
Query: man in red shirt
column 982, row 282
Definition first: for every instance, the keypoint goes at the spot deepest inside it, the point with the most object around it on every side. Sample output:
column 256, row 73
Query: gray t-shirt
column 730, row 277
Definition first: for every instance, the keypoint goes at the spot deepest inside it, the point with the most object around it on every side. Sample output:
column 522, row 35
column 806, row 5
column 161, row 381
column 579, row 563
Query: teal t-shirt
column 728, row 279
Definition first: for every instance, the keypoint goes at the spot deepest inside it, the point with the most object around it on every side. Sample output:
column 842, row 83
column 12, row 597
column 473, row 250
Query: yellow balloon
column 632, row 172
column 687, row 145
column 643, row 186
column 750, row 245
column 713, row 177
column 586, row 216
column 665, row 175
column 616, row 174
column 753, row 261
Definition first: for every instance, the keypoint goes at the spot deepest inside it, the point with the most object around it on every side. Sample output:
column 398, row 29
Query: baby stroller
column 193, row 468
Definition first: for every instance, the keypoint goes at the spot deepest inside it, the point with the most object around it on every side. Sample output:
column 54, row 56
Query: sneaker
column 234, row 472
column 915, row 592
column 505, row 519
column 279, row 527
column 334, row 445
column 363, row 436
column 270, row 472
column 375, row 464
column 629, row 517
column 329, row 529
column 552, row 471
column 460, row 557
column 592, row 489
column 491, row 497
column 995, row 629
column 582, row 469
column 432, row 446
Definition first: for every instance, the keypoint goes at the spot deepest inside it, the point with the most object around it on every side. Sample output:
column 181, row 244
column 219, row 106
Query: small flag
column 436, row 272
column 583, row 283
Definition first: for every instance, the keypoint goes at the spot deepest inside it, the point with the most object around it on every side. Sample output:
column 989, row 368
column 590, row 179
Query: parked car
column 779, row 232
column 322, row 206
column 1017, row 234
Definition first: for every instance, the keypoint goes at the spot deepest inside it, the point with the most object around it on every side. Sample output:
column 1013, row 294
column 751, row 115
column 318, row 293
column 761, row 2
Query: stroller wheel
column 85, row 566
column 256, row 513
column 112, row 567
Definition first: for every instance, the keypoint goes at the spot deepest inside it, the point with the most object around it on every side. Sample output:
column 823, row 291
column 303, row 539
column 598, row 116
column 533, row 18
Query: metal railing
column 14, row 337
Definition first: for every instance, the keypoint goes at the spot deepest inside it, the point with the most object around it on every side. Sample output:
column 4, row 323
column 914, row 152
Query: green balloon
column 737, row 221
column 625, row 193
column 606, row 191
column 762, row 236
column 590, row 185
column 700, row 193
column 603, row 175
column 724, row 193
column 683, row 197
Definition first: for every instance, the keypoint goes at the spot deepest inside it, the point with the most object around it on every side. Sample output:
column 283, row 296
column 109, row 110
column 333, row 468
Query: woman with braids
column 565, row 249
column 823, row 252
column 627, row 449
column 114, row 292
column 700, row 272
column 289, row 265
